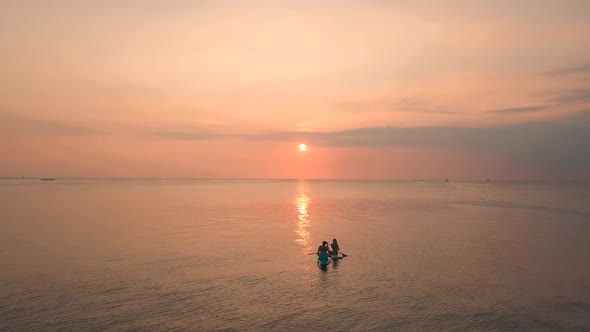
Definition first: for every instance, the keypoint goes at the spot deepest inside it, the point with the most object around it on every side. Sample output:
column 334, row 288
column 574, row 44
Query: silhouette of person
column 323, row 253
column 335, row 247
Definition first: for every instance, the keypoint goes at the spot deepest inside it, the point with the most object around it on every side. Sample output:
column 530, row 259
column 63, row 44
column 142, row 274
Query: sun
column 302, row 147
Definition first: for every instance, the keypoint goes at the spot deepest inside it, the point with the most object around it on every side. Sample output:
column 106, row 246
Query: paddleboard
column 323, row 259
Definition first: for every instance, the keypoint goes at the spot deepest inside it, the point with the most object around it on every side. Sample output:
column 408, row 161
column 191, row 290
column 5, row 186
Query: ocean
column 234, row 255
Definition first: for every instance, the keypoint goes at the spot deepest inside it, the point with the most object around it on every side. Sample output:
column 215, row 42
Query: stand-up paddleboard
column 323, row 260
column 335, row 257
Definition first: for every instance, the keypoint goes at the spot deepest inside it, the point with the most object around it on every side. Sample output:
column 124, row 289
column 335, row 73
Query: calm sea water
column 115, row 255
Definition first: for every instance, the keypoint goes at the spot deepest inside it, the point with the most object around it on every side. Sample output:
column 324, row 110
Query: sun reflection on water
column 303, row 223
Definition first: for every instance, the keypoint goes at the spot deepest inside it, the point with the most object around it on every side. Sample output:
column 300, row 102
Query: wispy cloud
column 576, row 96
column 518, row 110
column 17, row 124
column 390, row 104
column 188, row 136
column 580, row 69
column 419, row 105
column 427, row 111
column 578, row 92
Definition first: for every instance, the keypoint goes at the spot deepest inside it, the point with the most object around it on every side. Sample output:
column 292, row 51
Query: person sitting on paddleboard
column 323, row 251
column 335, row 247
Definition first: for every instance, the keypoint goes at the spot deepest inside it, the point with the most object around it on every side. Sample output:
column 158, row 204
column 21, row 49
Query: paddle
column 343, row 254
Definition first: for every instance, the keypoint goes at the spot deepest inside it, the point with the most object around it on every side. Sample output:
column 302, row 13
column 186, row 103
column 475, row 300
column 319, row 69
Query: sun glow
column 302, row 147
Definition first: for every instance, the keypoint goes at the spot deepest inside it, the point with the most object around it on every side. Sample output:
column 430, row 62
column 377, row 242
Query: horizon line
column 306, row 179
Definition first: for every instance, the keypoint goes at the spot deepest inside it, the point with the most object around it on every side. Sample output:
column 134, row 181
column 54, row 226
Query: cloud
column 21, row 125
column 580, row 69
column 388, row 104
column 419, row 105
column 189, row 136
column 577, row 96
column 427, row 111
column 517, row 110
column 579, row 74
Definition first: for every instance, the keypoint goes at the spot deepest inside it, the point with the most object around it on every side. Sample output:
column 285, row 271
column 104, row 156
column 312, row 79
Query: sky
column 399, row 89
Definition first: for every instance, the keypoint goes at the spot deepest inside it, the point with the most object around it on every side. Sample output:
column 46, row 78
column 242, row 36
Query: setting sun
column 302, row 147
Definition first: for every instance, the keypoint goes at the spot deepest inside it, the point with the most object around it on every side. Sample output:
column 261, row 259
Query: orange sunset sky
column 465, row 89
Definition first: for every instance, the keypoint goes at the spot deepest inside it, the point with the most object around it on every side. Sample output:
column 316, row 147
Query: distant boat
column 47, row 179
column 446, row 180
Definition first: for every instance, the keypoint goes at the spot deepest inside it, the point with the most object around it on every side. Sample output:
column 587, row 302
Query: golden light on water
column 303, row 221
